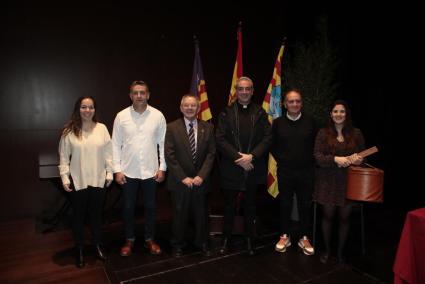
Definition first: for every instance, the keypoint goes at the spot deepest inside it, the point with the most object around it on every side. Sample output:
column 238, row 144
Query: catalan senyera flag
column 198, row 86
column 238, row 70
column 273, row 108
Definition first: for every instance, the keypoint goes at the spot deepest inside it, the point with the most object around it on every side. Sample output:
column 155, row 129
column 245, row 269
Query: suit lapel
column 200, row 135
column 184, row 135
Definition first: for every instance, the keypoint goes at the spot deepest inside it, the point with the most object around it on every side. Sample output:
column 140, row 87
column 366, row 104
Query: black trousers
column 89, row 202
column 301, row 183
column 249, row 208
column 189, row 203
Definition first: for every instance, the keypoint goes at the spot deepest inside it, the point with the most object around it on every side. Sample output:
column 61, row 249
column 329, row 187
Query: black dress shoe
column 341, row 261
column 79, row 258
column 324, row 258
column 225, row 245
column 205, row 250
column 177, row 252
column 249, row 247
column 100, row 254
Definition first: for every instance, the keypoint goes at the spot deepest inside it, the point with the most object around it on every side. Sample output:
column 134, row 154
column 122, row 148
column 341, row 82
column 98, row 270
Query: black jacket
column 228, row 144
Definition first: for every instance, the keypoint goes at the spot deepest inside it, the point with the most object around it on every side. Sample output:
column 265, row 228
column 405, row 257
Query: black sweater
column 293, row 142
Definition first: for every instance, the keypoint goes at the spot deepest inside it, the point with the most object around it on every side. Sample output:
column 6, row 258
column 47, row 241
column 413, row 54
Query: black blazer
column 178, row 155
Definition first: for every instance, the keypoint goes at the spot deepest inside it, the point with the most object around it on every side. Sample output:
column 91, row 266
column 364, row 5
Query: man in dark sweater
column 293, row 143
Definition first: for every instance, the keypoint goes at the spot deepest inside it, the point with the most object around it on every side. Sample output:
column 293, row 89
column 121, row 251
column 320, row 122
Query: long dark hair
column 74, row 124
column 347, row 129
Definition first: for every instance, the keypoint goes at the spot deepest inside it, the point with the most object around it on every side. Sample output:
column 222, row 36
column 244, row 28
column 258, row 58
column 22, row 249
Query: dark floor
column 267, row 266
column 30, row 257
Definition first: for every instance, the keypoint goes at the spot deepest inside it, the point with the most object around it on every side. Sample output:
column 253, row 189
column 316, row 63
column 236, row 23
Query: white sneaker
column 305, row 245
column 283, row 243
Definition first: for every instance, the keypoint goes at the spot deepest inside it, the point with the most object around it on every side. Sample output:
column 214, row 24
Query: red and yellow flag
column 198, row 86
column 272, row 106
column 238, row 70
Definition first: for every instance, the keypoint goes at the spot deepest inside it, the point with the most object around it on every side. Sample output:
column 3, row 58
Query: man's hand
column 159, row 176
column 245, row 161
column 187, row 181
column 198, row 181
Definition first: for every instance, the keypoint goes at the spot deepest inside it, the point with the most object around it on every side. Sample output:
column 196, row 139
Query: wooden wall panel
column 50, row 56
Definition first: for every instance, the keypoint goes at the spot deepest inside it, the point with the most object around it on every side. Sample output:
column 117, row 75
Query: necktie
column 192, row 142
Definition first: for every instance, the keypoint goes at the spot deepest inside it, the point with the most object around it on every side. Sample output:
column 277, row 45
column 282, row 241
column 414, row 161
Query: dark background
column 52, row 54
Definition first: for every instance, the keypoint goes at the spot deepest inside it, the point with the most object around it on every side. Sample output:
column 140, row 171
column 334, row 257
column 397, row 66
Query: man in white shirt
column 138, row 134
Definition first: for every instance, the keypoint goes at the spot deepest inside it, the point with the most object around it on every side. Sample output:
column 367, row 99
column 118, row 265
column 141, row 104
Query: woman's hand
column 67, row 187
column 342, row 162
column 356, row 159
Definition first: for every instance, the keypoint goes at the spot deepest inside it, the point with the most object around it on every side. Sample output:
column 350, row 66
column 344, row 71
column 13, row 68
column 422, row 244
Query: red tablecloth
column 409, row 265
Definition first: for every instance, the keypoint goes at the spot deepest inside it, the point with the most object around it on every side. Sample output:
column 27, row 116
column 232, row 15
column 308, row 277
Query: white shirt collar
column 134, row 111
column 187, row 121
column 293, row 119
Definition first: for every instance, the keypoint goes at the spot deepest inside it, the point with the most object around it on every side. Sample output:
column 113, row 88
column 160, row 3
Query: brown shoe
column 153, row 247
column 127, row 248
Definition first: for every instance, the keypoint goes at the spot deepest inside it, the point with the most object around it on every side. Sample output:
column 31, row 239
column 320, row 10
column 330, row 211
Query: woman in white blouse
column 85, row 169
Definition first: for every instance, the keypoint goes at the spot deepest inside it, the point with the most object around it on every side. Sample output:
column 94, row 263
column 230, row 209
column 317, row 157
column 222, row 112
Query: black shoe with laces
column 177, row 252
column 249, row 247
column 205, row 250
column 324, row 258
column 79, row 258
column 225, row 245
column 100, row 253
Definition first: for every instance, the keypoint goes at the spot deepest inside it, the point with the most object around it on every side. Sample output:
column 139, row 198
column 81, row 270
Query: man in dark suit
column 189, row 154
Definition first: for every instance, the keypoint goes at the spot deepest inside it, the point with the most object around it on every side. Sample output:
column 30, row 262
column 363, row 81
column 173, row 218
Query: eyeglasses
column 240, row 89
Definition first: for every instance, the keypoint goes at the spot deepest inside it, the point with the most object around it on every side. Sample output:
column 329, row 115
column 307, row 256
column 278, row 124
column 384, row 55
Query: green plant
column 311, row 67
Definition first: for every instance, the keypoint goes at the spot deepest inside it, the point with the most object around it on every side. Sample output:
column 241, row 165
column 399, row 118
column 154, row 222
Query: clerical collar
column 241, row 106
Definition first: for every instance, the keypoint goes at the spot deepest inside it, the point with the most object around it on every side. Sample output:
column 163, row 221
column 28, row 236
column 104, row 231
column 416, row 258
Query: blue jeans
column 130, row 190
